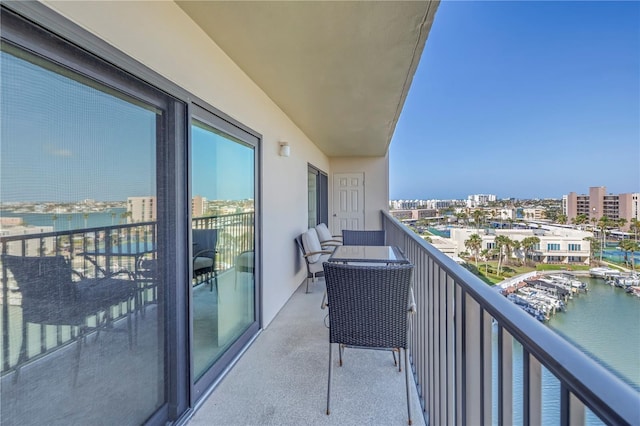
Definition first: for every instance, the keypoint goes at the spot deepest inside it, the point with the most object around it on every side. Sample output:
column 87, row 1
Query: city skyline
column 522, row 99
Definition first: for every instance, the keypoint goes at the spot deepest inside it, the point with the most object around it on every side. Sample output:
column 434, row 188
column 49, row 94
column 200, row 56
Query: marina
column 542, row 296
column 600, row 322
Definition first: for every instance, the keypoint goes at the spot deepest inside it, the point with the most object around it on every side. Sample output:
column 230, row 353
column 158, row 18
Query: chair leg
column 307, row 290
column 76, row 370
column 406, row 379
column 22, row 357
column 129, row 325
column 329, row 380
column 340, row 349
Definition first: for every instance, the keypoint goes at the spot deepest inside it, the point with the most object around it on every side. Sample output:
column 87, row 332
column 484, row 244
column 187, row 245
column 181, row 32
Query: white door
column 348, row 202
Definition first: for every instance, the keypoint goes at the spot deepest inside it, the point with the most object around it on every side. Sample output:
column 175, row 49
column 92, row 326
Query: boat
column 569, row 280
column 627, row 280
column 633, row 290
column 603, row 272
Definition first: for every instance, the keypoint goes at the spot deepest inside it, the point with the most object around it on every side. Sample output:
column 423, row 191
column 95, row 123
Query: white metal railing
column 456, row 362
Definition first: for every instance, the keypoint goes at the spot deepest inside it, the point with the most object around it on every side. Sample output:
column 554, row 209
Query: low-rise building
column 557, row 244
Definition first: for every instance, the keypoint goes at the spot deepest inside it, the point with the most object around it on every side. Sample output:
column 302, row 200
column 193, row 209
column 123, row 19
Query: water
column 68, row 221
column 604, row 324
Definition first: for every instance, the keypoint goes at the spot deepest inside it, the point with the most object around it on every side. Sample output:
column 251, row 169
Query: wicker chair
column 368, row 309
column 51, row 296
column 327, row 241
column 313, row 253
column 363, row 238
column 204, row 257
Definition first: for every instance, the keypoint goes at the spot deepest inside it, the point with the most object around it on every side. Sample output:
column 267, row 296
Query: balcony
column 476, row 358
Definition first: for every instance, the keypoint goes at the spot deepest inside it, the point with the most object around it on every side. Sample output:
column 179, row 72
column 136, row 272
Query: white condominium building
column 557, row 245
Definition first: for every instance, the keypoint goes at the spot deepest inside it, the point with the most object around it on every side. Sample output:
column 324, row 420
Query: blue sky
column 522, row 99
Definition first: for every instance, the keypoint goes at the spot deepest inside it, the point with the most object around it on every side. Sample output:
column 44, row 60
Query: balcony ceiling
column 340, row 70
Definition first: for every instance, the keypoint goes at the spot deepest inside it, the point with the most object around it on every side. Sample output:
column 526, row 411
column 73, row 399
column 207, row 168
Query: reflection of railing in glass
column 235, row 235
column 130, row 249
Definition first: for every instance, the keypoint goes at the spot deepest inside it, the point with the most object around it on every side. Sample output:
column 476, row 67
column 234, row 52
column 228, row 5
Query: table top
column 381, row 254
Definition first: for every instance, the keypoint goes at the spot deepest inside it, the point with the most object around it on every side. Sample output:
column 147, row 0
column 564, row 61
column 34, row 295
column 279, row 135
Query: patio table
column 368, row 254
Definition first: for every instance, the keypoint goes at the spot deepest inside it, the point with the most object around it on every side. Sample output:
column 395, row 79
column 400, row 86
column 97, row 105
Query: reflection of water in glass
column 603, row 323
column 67, row 221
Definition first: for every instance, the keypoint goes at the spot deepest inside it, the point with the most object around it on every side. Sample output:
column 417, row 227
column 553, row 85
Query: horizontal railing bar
column 22, row 237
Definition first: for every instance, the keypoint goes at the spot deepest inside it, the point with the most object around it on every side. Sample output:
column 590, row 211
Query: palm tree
column 85, row 216
column 634, row 225
column 603, row 223
column 517, row 246
column 621, row 223
column 53, row 219
column 484, row 254
column 593, row 247
column 528, row 244
column 474, row 244
column 562, row 219
column 632, row 247
column 478, row 215
column 501, row 243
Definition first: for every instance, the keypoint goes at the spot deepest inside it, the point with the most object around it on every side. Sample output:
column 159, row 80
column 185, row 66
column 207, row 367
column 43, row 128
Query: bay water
column 604, row 323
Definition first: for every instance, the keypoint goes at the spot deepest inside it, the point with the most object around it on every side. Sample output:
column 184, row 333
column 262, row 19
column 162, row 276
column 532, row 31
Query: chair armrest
column 337, row 241
column 311, row 253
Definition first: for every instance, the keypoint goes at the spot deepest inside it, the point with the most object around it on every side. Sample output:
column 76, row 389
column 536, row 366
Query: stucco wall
column 161, row 36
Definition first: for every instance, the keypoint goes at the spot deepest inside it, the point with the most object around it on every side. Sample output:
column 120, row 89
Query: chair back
column 363, row 238
column 49, row 295
column 323, row 232
column 204, row 241
column 368, row 304
column 310, row 244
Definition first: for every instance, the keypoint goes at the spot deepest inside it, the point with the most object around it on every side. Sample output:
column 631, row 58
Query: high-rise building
column 198, row 206
column 141, row 209
column 598, row 203
column 477, row 200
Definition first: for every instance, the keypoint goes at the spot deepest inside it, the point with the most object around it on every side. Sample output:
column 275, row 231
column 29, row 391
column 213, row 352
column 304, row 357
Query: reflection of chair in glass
column 204, row 256
column 368, row 309
column 244, row 263
column 50, row 296
column 147, row 282
column 363, row 238
column 313, row 253
column 326, row 239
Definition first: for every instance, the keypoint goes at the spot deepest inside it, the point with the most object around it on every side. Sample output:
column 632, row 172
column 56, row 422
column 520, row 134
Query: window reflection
column 79, row 251
column 223, row 214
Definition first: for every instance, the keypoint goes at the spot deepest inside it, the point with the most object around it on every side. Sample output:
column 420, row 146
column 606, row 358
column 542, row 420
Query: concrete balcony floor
column 282, row 377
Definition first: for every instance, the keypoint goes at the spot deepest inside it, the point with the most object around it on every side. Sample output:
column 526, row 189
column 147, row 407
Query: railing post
column 472, row 353
column 572, row 412
column 505, row 377
column 532, row 390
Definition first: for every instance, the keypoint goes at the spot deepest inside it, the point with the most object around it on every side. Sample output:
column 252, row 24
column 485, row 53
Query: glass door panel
column 223, row 243
column 84, row 320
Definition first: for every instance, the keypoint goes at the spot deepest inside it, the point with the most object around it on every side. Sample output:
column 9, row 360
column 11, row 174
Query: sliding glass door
column 223, row 234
